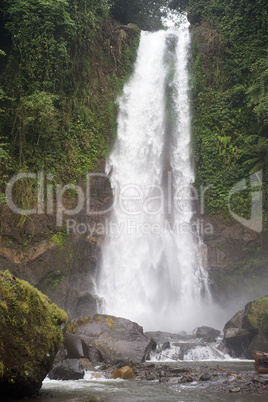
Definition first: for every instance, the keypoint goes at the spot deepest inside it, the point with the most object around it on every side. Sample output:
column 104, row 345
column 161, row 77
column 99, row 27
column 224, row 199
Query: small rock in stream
column 126, row 373
column 149, row 377
column 149, row 366
column 69, row 369
column 237, row 389
column 177, row 370
column 163, row 379
column 189, row 378
column 173, row 380
column 205, row 377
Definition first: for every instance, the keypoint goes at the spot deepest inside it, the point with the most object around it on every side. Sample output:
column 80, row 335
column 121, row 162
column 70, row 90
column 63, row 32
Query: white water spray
column 152, row 272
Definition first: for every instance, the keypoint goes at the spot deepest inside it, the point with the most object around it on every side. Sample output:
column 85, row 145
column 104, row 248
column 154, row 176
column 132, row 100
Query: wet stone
column 166, row 345
column 149, row 366
column 178, row 370
column 237, row 389
column 104, row 367
column 163, row 379
column 173, row 380
column 150, row 377
column 125, row 373
column 205, row 377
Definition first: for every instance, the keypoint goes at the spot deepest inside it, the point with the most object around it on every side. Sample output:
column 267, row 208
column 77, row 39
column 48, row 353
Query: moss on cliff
column 230, row 98
column 30, row 336
column 50, row 282
column 258, row 315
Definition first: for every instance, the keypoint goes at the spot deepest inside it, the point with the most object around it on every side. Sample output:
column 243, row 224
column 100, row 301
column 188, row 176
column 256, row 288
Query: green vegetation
column 30, row 333
column 229, row 96
column 59, row 239
column 258, row 315
column 50, row 282
column 72, row 327
column 63, row 63
column 110, row 322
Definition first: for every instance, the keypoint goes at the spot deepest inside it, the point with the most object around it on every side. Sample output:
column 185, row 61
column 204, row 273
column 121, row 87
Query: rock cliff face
column 62, row 265
column 64, row 273
column 65, row 267
column 236, row 259
column 30, row 336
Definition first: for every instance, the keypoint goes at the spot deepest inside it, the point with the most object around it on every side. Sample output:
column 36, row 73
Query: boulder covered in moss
column 256, row 316
column 247, row 331
column 30, row 336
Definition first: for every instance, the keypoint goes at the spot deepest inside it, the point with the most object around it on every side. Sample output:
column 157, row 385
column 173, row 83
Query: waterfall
column 151, row 270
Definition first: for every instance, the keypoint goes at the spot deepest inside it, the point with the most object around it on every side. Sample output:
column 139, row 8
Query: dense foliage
column 64, row 61
column 62, row 65
column 230, row 94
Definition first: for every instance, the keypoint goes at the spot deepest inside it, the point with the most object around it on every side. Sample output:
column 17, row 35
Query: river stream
column 138, row 390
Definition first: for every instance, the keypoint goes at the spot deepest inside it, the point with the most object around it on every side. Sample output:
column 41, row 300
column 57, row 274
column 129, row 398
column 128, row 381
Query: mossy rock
column 256, row 316
column 30, row 336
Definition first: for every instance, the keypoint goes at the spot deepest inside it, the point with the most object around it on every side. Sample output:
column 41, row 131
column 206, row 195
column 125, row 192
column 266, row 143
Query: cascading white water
column 151, row 272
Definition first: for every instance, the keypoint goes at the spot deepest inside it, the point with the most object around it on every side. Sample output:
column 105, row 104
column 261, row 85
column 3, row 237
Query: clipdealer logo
column 54, row 197
column 132, row 199
column 50, row 199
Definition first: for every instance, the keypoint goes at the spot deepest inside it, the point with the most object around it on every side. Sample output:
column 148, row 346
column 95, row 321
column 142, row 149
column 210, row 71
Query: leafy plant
column 229, row 97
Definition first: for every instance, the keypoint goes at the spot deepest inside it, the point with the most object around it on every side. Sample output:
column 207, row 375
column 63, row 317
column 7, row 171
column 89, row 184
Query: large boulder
column 69, row 369
column 207, row 334
column 255, row 316
column 259, row 343
column 235, row 321
column 247, row 331
column 30, row 336
column 237, row 341
column 106, row 338
column 255, row 319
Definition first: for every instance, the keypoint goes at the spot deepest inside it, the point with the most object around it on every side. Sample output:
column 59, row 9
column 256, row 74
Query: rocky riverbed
column 177, row 381
column 217, row 380
column 131, row 365
column 97, row 350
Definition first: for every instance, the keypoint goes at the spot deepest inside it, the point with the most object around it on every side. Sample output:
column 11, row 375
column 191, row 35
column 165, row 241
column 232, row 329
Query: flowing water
column 152, row 272
column 133, row 391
